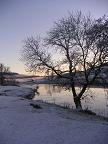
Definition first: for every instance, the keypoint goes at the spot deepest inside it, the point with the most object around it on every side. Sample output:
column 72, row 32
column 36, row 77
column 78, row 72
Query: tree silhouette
column 76, row 46
column 3, row 70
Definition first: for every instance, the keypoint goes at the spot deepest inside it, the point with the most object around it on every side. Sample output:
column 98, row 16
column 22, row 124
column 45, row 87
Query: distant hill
column 102, row 78
column 16, row 75
column 9, row 73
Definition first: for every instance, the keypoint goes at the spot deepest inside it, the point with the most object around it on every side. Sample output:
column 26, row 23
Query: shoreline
column 79, row 112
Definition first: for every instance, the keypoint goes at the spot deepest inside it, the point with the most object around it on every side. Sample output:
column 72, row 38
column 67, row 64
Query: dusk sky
column 20, row 19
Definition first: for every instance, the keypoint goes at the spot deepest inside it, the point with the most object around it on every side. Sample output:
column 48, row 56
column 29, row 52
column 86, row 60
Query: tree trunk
column 77, row 102
column 77, row 98
column 2, row 80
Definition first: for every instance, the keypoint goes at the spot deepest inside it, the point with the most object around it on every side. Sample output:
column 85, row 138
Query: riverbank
column 21, row 123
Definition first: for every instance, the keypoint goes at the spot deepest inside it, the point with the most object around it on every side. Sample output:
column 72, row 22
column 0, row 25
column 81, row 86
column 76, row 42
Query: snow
column 20, row 123
column 16, row 91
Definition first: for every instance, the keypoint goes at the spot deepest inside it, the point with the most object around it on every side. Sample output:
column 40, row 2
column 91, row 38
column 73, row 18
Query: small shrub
column 36, row 106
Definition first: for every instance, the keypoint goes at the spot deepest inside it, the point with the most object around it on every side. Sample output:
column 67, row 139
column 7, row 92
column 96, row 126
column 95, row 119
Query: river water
column 95, row 99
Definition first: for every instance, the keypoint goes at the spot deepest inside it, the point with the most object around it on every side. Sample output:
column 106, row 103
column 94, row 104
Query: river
column 95, row 99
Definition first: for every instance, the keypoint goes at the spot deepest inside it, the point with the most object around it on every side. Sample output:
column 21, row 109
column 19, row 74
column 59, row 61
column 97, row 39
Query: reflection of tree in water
column 36, row 90
column 56, row 89
column 49, row 90
column 53, row 89
column 106, row 96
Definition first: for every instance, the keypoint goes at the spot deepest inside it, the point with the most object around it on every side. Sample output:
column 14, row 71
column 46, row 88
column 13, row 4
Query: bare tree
column 3, row 70
column 76, row 46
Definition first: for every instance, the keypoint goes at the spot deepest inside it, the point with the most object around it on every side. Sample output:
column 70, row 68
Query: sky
column 20, row 19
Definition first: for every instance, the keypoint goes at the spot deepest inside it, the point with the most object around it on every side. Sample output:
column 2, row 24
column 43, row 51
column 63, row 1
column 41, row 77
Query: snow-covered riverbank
column 20, row 123
column 16, row 91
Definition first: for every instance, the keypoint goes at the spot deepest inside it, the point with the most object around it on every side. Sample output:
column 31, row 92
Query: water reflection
column 106, row 97
column 36, row 88
column 95, row 99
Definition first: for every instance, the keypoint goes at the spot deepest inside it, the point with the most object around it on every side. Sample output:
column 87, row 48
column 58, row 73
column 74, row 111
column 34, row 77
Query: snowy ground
column 16, row 91
column 20, row 123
